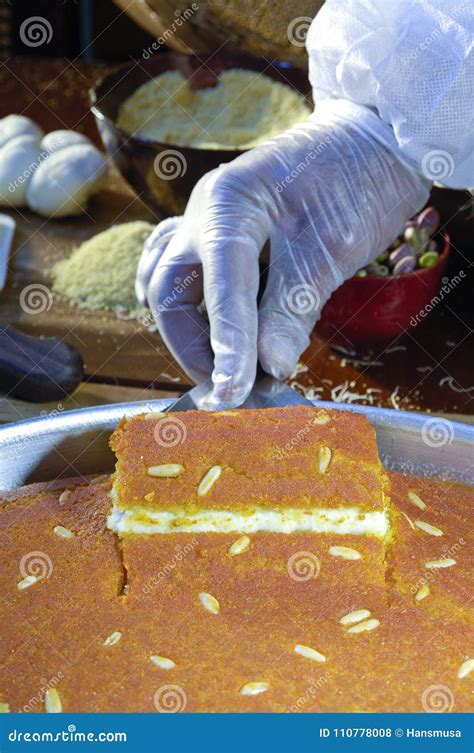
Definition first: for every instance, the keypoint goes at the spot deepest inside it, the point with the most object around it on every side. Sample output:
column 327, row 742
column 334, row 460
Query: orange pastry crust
column 301, row 457
column 219, row 615
column 434, row 545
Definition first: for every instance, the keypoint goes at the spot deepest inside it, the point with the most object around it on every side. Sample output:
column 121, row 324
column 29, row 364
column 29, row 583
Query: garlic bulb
column 19, row 158
column 17, row 125
column 56, row 140
column 65, row 180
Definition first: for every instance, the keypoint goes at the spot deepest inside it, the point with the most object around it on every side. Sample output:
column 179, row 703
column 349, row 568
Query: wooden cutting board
column 114, row 350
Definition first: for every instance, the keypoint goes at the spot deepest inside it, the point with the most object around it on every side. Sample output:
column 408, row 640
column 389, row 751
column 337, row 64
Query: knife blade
column 267, row 392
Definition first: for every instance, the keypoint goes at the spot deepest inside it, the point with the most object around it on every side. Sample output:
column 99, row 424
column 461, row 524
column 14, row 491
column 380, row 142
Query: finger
column 289, row 309
column 175, row 292
column 231, row 279
column 153, row 249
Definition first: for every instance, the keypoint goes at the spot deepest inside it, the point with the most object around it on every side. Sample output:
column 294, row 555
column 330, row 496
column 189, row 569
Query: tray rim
column 29, row 448
column 129, row 409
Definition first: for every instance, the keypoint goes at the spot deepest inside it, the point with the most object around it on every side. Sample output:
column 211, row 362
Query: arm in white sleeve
column 409, row 62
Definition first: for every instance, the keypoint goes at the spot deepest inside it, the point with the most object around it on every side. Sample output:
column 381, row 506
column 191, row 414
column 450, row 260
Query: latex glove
column 327, row 195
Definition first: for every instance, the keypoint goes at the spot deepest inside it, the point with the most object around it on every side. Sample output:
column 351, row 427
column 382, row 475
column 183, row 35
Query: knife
column 267, row 392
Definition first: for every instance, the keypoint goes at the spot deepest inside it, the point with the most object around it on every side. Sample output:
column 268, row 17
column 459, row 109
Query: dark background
column 96, row 27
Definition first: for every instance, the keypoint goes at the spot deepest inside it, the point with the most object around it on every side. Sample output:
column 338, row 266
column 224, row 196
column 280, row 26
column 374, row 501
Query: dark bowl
column 163, row 175
column 376, row 310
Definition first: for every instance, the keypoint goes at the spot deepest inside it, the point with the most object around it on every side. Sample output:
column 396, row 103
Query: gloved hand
column 327, row 195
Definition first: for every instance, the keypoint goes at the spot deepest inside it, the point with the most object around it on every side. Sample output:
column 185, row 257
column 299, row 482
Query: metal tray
column 75, row 443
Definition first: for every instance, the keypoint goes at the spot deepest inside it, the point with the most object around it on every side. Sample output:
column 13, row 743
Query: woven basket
column 263, row 28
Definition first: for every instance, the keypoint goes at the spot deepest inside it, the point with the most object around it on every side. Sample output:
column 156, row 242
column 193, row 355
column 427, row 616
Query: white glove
column 327, row 195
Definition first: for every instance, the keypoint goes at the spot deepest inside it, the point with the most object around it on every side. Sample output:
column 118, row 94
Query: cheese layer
column 348, row 520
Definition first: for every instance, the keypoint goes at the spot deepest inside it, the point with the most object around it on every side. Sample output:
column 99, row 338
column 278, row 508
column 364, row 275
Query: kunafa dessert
column 277, row 470
column 273, row 617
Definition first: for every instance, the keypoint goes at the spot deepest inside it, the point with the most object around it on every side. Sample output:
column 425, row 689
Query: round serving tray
column 76, row 443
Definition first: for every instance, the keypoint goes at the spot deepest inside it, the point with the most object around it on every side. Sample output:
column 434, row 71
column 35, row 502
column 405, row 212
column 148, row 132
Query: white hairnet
column 410, row 60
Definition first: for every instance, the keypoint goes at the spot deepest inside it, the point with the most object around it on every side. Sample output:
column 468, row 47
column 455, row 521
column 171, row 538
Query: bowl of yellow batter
column 168, row 120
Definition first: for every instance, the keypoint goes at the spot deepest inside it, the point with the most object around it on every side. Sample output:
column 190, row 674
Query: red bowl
column 373, row 310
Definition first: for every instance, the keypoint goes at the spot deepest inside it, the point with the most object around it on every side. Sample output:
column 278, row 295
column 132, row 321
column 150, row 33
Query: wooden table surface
column 429, row 369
